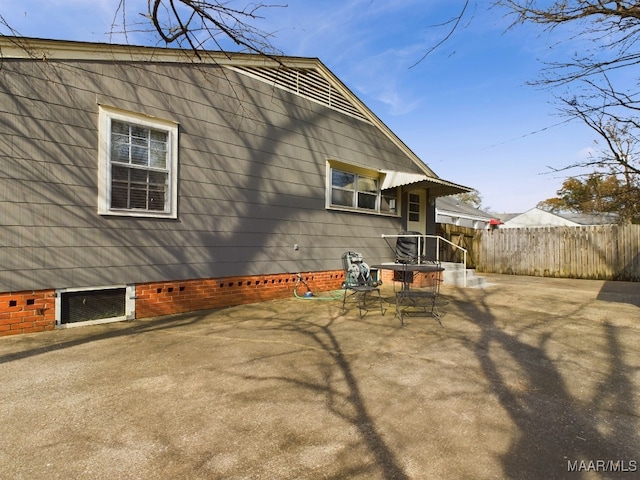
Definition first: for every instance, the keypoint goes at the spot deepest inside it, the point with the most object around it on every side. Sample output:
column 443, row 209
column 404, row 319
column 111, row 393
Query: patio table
column 408, row 298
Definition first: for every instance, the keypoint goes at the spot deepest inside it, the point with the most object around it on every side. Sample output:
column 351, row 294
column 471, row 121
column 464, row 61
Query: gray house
column 138, row 181
column 451, row 211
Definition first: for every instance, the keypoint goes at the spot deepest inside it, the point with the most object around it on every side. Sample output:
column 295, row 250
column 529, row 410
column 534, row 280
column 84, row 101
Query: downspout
column 430, row 229
column 404, row 194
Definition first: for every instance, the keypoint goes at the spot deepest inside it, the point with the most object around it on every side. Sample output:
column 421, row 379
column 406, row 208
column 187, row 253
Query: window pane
column 388, row 203
column 366, row 184
column 342, row 179
column 119, row 173
column 119, row 148
column 158, row 178
column 160, row 145
column 138, row 175
column 139, row 132
column 120, row 187
column 138, row 197
column 139, row 155
column 119, row 195
column 158, row 136
column 139, row 142
column 156, row 199
column 158, row 155
column 119, row 127
column 367, row 200
column 341, row 197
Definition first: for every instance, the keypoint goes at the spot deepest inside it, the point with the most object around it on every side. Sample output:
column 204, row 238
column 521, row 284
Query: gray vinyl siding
column 251, row 178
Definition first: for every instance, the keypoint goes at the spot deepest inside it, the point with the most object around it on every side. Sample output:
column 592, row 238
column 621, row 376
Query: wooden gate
column 464, row 237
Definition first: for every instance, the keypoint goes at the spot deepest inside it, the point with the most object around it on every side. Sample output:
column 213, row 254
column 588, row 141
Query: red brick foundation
column 27, row 312
column 34, row 311
column 419, row 279
column 164, row 298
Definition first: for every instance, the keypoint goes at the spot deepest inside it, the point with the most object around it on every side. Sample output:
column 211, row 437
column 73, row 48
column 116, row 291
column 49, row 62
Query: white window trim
column 130, row 305
column 361, row 171
column 106, row 115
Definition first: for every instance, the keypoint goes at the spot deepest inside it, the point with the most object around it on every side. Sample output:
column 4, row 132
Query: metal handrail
column 437, row 238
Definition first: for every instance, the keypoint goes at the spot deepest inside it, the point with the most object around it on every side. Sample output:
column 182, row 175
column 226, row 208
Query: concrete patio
column 530, row 378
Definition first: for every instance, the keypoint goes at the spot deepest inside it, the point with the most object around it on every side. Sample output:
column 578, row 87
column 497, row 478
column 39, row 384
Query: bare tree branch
column 455, row 21
column 197, row 22
column 613, row 28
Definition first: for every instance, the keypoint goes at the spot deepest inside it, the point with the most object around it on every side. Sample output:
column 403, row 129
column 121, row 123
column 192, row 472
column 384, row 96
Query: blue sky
column 466, row 110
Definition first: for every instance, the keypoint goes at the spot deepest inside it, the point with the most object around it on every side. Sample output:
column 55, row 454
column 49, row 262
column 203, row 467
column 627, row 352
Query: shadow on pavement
column 622, row 292
column 527, row 380
column 529, row 364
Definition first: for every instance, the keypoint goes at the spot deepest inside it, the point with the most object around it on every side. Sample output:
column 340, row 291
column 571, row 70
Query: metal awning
column 437, row 187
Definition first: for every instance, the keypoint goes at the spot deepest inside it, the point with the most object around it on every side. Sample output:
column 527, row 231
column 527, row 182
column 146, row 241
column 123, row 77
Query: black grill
column 93, row 305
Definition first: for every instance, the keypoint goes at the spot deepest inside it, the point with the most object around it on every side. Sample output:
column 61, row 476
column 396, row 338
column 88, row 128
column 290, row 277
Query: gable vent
column 305, row 83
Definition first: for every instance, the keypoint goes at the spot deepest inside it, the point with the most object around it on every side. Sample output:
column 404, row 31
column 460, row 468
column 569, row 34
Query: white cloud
column 586, row 153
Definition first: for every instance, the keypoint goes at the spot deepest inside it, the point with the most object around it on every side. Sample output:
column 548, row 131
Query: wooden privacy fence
column 607, row 252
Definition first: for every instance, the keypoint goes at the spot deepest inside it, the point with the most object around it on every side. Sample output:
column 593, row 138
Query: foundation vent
column 75, row 306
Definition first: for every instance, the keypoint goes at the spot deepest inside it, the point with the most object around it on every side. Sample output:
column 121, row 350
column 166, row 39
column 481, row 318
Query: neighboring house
column 450, row 210
column 541, row 218
column 458, row 222
column 139, row 181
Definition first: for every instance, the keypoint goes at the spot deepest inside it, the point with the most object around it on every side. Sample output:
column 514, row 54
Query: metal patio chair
column 358, row 281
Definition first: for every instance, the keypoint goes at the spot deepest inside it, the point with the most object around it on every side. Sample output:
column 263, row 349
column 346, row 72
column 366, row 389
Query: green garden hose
column 334, row 295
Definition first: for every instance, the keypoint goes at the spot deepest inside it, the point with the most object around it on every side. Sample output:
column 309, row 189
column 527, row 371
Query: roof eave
column 43, row 49
column 452, row 213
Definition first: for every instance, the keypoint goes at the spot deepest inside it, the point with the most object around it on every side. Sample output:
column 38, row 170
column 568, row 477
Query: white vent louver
column 306, row 83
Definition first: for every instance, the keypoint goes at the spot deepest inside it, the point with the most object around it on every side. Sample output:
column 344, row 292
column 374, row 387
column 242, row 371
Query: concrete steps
column 454, row 275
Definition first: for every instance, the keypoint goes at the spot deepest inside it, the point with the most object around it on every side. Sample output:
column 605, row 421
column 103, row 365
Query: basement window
column 80, row 306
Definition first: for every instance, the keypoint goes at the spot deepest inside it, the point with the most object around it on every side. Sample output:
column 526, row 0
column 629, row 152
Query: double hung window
column 138, row 165
column 355, row 189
